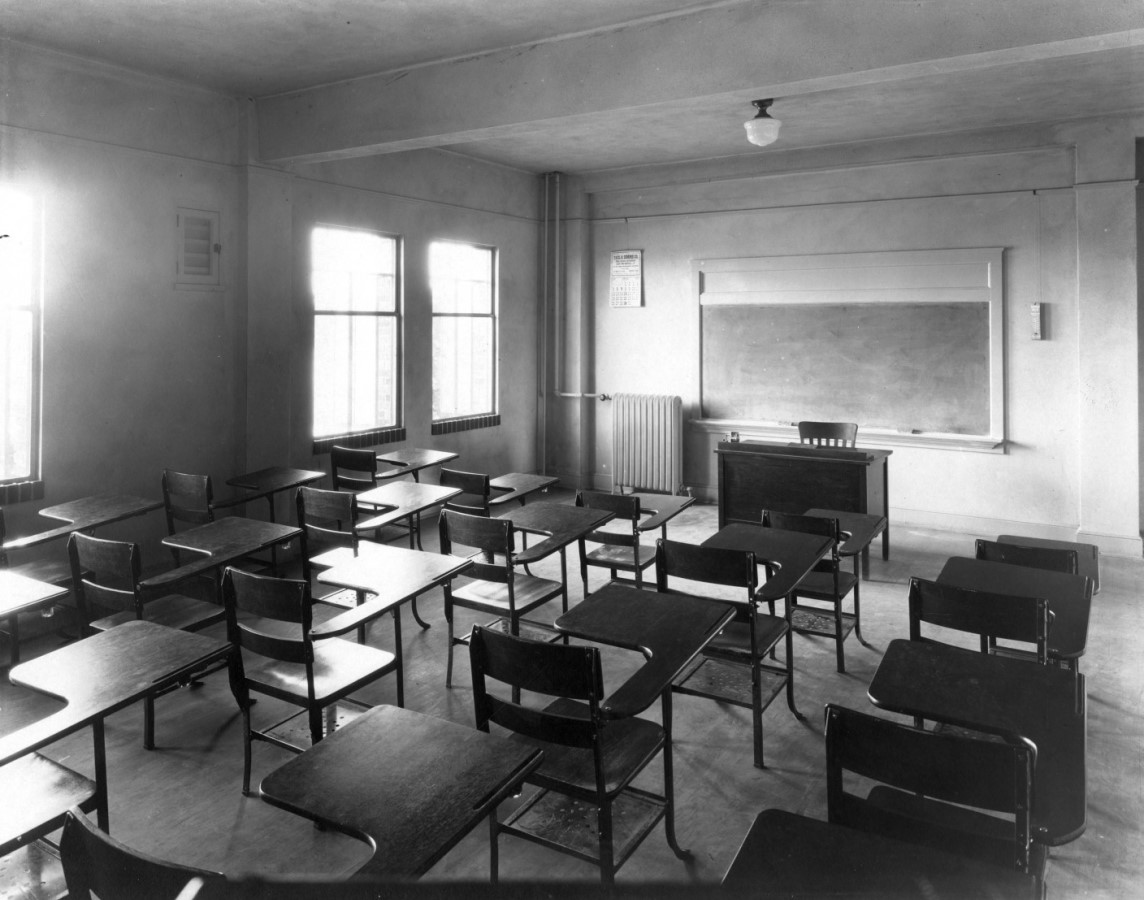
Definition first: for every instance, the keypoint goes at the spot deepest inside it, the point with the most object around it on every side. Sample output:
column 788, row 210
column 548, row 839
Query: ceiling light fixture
column 762, row 129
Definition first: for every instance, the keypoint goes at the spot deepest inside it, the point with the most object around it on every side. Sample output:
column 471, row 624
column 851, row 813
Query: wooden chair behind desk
column 620, row 549
column 828, row 434
column 732, row 668
column 475, row 491
column 590, row 760
column 1051, row 558
column 95, row 864
column 106, row 576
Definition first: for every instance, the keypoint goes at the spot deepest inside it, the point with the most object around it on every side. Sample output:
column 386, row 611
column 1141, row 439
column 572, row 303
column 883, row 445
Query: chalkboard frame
column 910, row 277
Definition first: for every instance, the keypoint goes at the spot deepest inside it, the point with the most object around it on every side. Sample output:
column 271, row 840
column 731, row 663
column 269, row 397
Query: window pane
column 463, row 374
column 353, row 270
column 355, row 374
column 16, row 393
column 461, row 278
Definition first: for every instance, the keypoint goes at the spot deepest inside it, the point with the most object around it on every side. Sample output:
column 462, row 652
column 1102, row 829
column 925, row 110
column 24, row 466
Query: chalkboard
column 901, row 341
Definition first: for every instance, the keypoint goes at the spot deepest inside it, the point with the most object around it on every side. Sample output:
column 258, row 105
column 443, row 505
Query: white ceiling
column 265, row 48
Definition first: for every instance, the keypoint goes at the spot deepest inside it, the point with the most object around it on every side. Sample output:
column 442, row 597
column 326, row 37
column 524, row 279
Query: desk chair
column 493, row 585
column 590, row 761
column 1051, row 558
column 269, row 620
column 619, row 551
column 828, row 434
column 989, row 615
column 826, row 583
column 95, row 863
column 933, row 788
column 188, row 501
column 106, row 575
column 744, row 643
column 329, row 519
column 50, row 571
column 475, row 491
column 353, row 469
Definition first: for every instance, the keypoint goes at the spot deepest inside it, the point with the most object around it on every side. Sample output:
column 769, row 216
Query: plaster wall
column 1048, row 481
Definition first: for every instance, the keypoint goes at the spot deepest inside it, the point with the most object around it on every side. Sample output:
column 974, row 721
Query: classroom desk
column 670, row 630
column 85, row 514
column 411, row 785
column 560, row 524
column 1004, row 696
column 1068, row 597
column 791, row 855
column 102, row 674
column 400, row 500
column 518, row 486
column 660, row 509
column 393, row 575
column 219, row 543
column 860, row 529
column 19, row 594
column 268, row 482
column 787, row 555
column 1087, row 555
column 412, row 461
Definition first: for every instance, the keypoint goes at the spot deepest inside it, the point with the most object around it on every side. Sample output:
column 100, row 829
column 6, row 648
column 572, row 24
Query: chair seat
column 340, row 667
column 820, row 585
column 620, row 557
column 531, row 592
column 174, row 611
column 37, row 791
column 628, row 745
column 734, row 641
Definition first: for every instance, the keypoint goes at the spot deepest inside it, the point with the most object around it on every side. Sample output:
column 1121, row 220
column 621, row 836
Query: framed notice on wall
column 626, row 282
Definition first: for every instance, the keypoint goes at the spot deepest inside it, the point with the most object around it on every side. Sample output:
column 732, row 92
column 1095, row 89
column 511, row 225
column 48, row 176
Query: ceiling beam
column 747, row 51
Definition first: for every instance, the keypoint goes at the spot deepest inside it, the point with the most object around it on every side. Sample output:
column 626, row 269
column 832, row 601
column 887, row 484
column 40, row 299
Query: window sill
column 465, row 423
column 21, row 492
column 360, row 439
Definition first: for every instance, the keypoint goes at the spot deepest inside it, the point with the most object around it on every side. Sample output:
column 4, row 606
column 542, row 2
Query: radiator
column 647, row 442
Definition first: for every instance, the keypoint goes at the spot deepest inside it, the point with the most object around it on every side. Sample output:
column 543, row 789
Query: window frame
column 491, row 417
column 377, row 434
column 30, row 486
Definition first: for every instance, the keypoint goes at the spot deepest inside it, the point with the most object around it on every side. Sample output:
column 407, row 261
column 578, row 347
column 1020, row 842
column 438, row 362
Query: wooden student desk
column 787, row 555
column 412, row 461
column 411, row 785
column 268, row 482
column 393, row 575
column 19, row 594
column 518, row 486
column 560, row 524
column 670, row 630
column 1010, row 697
column 793, row 478
column 85, row 514
column 1068, row 597
column 1087, row 555
column 219, row 543
column 102, row 674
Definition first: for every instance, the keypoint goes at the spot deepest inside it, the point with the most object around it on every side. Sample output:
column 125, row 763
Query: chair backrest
column 489, row 542
column 475, row 491
column 254, row 602
column 187, row 499
column 946, row 768
column 983, row 613
column 353, row 469
column 1056, row 559
column 96, row 863
column 821, row 525
column 327, row 520
column 104, row 574
column 625, row 508
column 711, row 565
column 570, row 671
column 828, row 434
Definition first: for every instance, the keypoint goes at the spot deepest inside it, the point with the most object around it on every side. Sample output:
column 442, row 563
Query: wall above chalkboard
column 902, row 342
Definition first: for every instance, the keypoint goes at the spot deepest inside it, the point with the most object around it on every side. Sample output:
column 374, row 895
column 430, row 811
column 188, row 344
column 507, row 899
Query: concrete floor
column 183, row 801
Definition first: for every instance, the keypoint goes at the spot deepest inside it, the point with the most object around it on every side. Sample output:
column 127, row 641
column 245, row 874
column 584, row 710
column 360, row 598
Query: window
column 19, row 349
column 356, row 284
column 463, row 282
